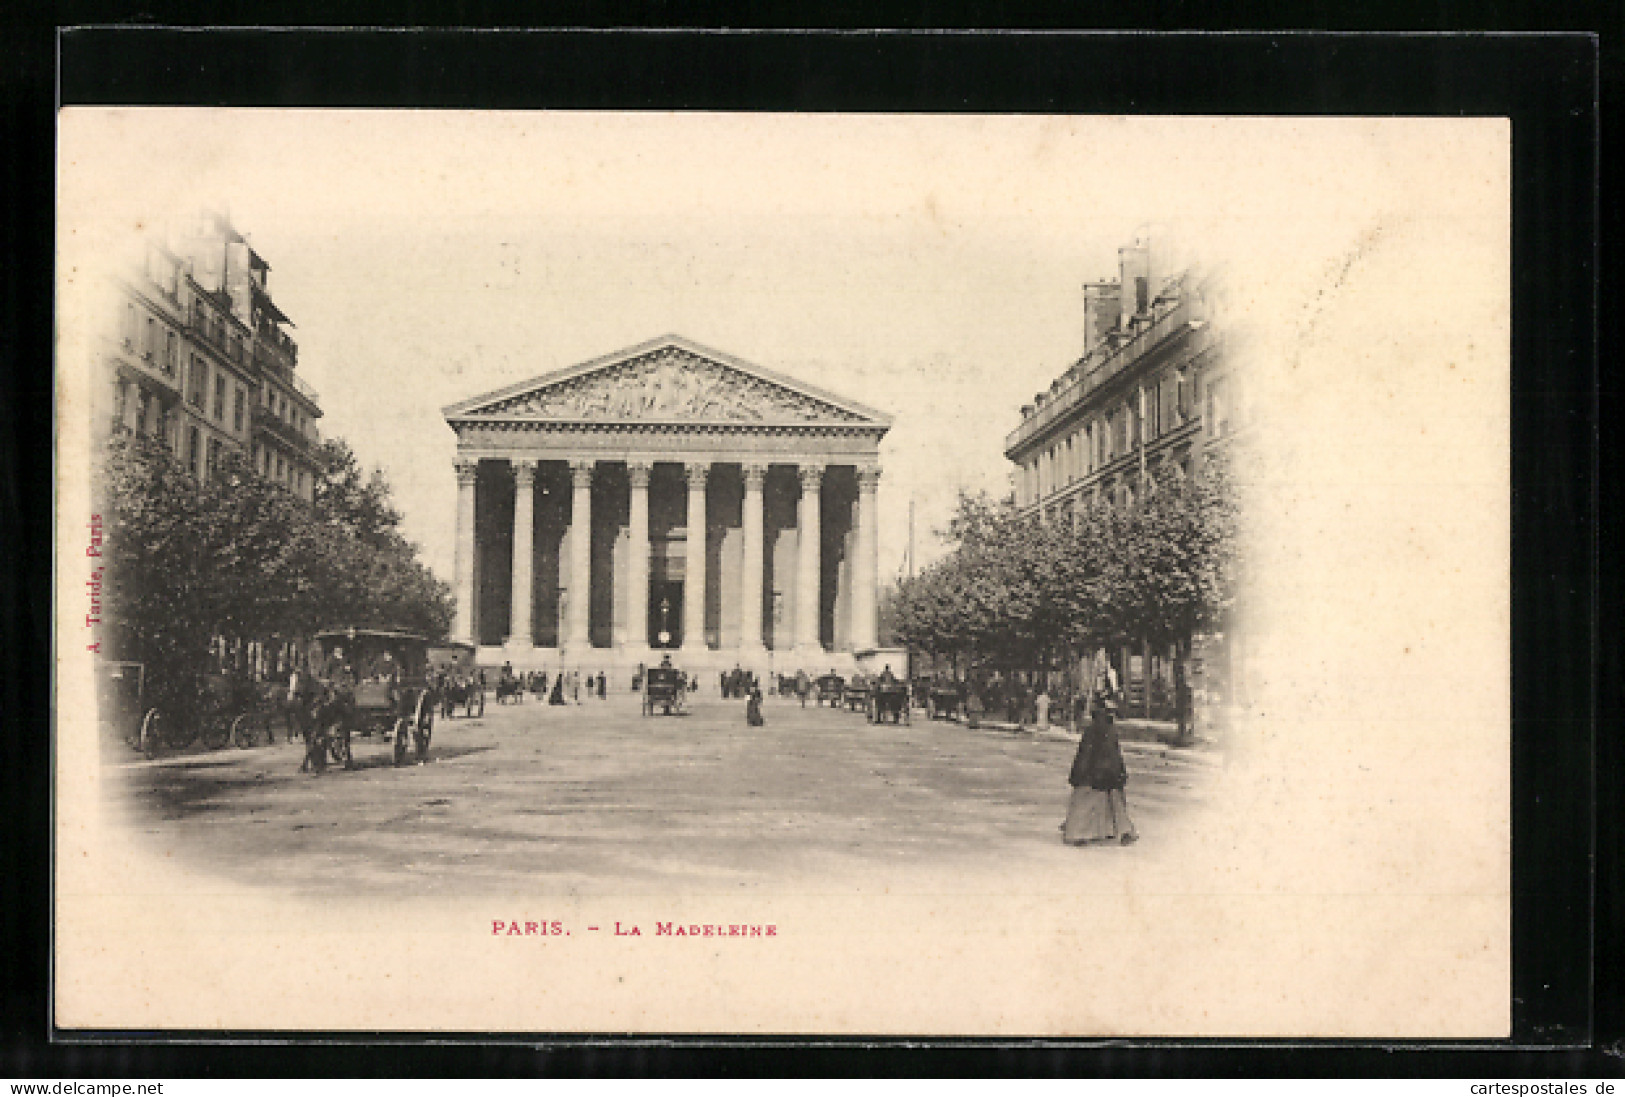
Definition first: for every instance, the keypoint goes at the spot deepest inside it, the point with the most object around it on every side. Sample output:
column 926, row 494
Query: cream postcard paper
column 1337, row 865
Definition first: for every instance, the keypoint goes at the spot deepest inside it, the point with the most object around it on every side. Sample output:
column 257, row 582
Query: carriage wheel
column 151, row 734
column 245, row 729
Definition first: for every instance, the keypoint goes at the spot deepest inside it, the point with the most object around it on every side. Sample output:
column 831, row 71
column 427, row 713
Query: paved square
column 597, row 798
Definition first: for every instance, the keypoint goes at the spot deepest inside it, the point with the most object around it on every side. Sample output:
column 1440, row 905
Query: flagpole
column 911, row 535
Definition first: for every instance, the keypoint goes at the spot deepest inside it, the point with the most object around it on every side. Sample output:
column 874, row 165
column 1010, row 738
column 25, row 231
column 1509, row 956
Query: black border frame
column 1548, row 84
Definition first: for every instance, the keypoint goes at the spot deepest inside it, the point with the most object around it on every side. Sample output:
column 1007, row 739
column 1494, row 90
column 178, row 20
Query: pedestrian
column 1041, row 709
column 753, row 708
column 803, row 686
column 1098, row 810
column 575, row 686
column 557, row 696
column 603, row 686
column 973, row 705
column 298, row 711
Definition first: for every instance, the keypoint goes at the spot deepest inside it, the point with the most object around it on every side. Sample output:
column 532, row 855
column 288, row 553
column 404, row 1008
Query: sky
column 928, row 266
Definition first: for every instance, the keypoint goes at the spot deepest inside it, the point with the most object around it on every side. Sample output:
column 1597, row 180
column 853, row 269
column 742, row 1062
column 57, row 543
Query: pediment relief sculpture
column 671, row 384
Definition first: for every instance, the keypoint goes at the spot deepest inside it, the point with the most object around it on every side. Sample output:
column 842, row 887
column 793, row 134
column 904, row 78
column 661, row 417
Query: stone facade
column 667, row 497
column 1151, row 394
column 199, row 359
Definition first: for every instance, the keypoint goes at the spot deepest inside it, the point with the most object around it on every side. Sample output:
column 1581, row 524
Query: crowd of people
column 1097, row 810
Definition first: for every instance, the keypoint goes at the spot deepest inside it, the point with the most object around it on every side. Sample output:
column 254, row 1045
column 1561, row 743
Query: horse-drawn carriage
column 857, row 693
column 664, row 687
column 829, row 688
column 372, row 681
column 122, row 706
column 154, row 715
column 457, row 679
column 888, row 700
column 944, row 700
column 510, row 687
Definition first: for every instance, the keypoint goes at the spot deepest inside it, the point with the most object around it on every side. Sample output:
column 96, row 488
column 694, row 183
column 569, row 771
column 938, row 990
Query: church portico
column 666, row 499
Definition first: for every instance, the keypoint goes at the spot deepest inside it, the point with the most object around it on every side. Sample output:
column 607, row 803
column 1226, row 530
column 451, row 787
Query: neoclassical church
column 668, row 496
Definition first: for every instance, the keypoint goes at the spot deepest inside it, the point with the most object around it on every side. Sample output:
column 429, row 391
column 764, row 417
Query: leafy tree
column 237, row 556
column 1020, row 590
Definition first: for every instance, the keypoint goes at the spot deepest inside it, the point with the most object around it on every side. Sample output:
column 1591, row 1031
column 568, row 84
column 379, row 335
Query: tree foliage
column 241, row 557
column 1014, row 588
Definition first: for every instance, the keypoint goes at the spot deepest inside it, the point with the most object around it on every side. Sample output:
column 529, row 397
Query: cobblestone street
column 599, row 798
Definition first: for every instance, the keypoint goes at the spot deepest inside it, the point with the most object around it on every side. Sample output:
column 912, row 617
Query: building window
column 237, row 410
column 149, row 351
column 279, row 467
column 130, row 326
column 169, row 353
column 1142, row 295
column 197, row 379
column 219, row 397
column 193, row 445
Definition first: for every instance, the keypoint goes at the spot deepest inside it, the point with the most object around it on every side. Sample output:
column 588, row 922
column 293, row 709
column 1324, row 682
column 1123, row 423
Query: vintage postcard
column 782, row 574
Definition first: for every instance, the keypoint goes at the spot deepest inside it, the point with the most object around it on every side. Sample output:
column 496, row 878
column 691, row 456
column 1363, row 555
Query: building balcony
column 271, row 338
column 149, row 367
column 1100, row 366
column 286, row 374
column 268, row 422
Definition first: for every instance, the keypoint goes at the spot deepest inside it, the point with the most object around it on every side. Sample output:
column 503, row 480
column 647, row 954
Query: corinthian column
column 579, row 636
column 865, row 612
column 463, row 629
column 524, row 525
column 809, row 605
column 637, row 564
column 694, row 572
column 750, row 579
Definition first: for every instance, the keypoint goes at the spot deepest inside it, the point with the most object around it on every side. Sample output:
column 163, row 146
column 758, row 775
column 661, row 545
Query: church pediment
column 669, row 381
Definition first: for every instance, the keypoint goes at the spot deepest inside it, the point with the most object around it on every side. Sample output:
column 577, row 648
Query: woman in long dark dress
column 753, row 708
column 1098, row 810
column 557, row 696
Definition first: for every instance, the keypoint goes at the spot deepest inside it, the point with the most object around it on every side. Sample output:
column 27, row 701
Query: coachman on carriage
column 371, row 680
column 888, row 699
